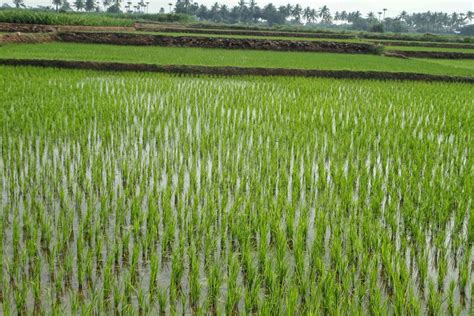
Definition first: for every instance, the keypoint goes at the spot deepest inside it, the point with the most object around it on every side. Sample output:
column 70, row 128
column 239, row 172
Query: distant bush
column 160, row 17
column 377, row 28
column 115, row 8
column 467, row 30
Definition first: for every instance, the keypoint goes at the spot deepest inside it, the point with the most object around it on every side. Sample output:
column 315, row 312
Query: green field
column 454, row 63
column 138, row 193
column 221, row 57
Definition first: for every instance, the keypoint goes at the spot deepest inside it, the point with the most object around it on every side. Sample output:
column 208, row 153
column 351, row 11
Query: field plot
column 222, row 57
column 147, row 193
column 463, row 64
column 429, row 49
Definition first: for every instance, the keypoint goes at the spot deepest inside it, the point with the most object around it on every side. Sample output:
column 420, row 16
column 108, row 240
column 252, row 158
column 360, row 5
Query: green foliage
column 62, row 18
column 83, row 18
column 467, row 30
column 377, row 28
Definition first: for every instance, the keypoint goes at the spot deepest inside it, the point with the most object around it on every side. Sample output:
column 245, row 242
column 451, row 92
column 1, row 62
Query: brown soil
column 233, row 71
column 434, row 55
column 27, row 38
column 424, row 44
column 146, row 27
column 214, row 42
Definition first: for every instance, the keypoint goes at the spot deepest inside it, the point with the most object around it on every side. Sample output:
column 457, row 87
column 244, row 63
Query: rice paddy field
column 138, row 193
column 223, row 57
column 455, row 63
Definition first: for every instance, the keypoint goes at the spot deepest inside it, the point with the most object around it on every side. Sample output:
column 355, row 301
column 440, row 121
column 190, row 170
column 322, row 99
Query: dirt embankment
column 433, row 55
column 145, row 27
column 26, row 28
column 424, row 44
column 214, row 42
column 27, row 38
column 39, row 28
column 234, row 71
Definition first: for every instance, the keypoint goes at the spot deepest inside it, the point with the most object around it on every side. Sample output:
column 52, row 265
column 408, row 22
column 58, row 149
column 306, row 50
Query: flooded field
column 146, row 193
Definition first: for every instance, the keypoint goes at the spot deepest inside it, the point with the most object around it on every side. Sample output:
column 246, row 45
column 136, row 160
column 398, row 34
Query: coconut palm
column 325, row 14
column 18, row 3
column 79, row 4
column 296, row 13
column 307, row 15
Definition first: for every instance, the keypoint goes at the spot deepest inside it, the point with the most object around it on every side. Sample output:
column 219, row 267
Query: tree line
column 437, row 22
column 251, row 13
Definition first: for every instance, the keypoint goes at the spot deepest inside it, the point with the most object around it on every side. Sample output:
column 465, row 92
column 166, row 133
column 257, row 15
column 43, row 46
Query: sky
column 393, row 6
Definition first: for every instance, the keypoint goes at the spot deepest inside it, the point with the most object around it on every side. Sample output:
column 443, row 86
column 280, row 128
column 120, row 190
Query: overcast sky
column 393, row 6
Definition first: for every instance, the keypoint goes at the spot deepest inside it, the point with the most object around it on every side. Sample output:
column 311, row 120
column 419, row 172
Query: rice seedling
column 157, row 194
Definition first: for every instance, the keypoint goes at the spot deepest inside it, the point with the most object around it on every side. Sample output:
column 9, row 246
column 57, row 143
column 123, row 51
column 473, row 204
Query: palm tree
column 469, row 15
column 79, row 5
column 289, row 9
column 296, row 13
column 186, row 4
column 272, row 15
column 403, row 15
column 106, row 3
column 214, row 13
column 89, row 5
column 314, row 15
column 171, row 5
column 253, row 8
column 384, row 10
column 241, row 10
column 325, row 14
column 252, row 4
column 57, row 3
column 454, row 20
column 343, row 16
column 18, row 3
column 224, row 12
column 371, row 16
column 307, row 14
column 202, row 13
